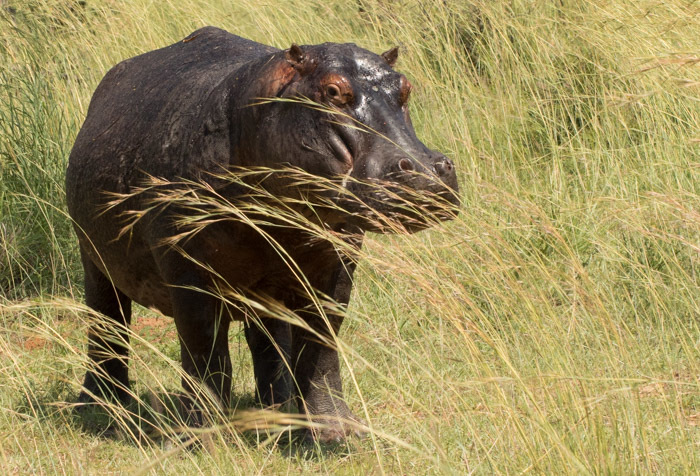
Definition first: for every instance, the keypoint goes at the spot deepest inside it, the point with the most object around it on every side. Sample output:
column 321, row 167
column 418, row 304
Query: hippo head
column 356, row 131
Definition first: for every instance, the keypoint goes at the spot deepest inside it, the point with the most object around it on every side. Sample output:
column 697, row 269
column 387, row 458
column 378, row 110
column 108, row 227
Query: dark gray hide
column 184, row 112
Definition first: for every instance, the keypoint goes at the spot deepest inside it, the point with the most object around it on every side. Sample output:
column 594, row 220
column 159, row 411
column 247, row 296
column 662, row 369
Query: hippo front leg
column 316, row 365
column 202, row 326
column 317, row 375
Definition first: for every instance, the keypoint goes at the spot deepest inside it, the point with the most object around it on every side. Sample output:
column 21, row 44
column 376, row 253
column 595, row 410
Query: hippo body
column 192, row 111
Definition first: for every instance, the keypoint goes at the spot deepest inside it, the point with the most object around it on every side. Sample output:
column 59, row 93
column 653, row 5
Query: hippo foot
column 196, row 413
column 329, row 430
column 192, row 414
column 99, row 391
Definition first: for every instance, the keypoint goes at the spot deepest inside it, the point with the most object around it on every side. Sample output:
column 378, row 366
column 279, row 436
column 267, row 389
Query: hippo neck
column 216, row 130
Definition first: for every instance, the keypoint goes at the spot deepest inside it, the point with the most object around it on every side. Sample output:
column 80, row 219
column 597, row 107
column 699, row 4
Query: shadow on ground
column 161, row 422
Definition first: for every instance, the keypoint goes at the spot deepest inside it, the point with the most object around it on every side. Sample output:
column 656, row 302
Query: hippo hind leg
column 269, row 340
column 108, row 340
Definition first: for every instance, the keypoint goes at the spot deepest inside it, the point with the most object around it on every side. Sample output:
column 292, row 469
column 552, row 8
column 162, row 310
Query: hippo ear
column 299, row 59
column 295, row 55
column 391, row 55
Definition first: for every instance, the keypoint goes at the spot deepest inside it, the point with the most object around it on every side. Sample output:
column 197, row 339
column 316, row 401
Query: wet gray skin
column 194, row 110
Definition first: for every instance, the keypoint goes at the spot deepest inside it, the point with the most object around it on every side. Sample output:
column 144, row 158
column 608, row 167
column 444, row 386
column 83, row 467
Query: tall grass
column 553, row 327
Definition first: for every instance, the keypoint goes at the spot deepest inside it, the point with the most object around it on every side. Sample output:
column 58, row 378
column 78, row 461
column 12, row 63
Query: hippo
column 212, row 106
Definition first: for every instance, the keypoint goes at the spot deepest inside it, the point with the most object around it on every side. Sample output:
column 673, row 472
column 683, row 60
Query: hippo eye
column 337, row 89
column 333, row 91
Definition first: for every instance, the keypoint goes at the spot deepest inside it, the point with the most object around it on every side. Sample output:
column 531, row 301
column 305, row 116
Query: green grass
column 554, row 327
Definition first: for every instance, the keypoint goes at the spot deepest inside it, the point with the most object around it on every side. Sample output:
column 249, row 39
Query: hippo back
column 148, row 112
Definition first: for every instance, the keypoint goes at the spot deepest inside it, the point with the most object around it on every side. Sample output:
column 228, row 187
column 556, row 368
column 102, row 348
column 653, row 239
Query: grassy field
column 553, row 328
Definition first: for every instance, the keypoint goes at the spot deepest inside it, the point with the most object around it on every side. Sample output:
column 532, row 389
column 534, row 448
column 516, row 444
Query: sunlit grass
column 553, row 327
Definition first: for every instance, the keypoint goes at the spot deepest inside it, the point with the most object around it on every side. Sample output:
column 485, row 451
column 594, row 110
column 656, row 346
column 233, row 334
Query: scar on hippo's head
column 390, row 56
column 300, row 60
column 404, row 90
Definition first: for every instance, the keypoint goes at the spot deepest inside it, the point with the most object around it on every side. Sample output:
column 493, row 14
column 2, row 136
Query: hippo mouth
column 387, row 207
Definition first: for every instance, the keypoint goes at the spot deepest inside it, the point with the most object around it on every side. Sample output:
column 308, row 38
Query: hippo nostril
column 443, row 167
column 405, row 165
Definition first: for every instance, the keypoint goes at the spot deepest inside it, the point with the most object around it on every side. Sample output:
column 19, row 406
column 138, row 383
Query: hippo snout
column 434, row 174
column 438, row 165
column 414, row 190
column 436, row 177
column 445, row 170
